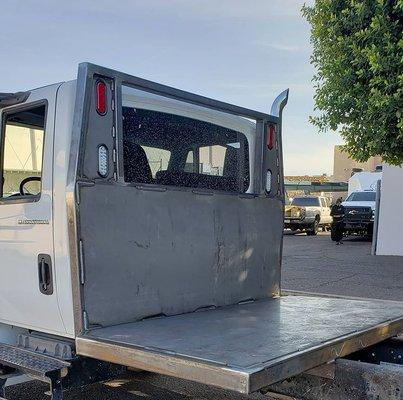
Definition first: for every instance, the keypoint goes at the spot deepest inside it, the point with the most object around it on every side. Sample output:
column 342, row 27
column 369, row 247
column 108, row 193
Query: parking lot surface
column 316, row 264
column 310, row 263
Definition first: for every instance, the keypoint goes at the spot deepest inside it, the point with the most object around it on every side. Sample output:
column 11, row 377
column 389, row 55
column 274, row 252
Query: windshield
column 306, row 201
column 361, row 196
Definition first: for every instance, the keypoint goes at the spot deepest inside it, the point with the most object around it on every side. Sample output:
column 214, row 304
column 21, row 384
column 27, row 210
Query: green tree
column 358, row 56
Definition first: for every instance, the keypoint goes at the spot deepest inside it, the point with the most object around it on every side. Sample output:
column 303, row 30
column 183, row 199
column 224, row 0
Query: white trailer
column 362, row 181
column 120, row 249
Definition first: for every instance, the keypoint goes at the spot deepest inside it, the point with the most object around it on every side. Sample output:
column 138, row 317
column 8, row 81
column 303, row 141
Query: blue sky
column 243, row 52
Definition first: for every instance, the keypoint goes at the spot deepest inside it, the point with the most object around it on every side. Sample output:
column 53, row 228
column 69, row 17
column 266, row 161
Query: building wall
column 390, row 223
column 343, row 165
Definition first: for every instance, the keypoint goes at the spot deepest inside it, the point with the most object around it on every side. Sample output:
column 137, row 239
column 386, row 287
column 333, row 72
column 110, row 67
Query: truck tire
column 313, row 231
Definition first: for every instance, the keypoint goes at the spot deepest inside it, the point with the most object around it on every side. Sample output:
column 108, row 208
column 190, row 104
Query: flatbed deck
column 248, row 346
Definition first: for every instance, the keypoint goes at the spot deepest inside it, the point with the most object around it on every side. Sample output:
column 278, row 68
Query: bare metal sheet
column 172, row 252
column 251, row 338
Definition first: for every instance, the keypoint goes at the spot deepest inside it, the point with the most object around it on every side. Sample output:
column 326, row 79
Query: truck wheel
column 314, row 229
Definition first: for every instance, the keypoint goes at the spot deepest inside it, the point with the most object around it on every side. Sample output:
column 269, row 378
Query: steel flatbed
column 249, row 346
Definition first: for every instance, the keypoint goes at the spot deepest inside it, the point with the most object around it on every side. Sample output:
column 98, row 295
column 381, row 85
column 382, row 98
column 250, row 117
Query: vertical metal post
column 34, row 157
column 376, row 217
column 277, row 110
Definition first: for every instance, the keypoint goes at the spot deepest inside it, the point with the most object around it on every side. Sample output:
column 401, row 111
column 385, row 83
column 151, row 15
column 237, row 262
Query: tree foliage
column 358, row 56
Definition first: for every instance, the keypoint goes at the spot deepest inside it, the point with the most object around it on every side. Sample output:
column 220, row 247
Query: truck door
column 28, row 293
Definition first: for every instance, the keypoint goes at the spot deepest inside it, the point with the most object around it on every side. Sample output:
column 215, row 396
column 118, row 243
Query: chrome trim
column 237, row 379
column 74, row 263
column 277, row 110
column 80, row 110
column 279, row 103
column 176, row 366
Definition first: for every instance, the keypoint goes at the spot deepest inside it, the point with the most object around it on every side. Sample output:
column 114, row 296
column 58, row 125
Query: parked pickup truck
column 359, row 212
column 307, row 213
column 141, row 226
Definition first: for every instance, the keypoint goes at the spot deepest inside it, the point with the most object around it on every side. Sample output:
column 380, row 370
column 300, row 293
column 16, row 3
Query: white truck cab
column 33, row 211
column 141, row 226
column 308, row 213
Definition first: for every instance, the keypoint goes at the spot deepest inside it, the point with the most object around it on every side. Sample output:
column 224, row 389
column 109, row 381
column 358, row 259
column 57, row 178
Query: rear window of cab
column 173, row 150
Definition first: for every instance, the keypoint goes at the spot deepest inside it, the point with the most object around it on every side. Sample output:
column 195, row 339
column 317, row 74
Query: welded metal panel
column 265, row 341
column 149, row 252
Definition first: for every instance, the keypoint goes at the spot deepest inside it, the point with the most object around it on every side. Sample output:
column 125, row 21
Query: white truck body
column 361, row 181
column 21, row 237
column 174, row 269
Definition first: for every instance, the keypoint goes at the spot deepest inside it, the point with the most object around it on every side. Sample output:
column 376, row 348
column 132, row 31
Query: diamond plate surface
column 29, row 361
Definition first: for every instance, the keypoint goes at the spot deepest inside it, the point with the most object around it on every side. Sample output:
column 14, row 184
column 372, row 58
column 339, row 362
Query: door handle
column 45, row 274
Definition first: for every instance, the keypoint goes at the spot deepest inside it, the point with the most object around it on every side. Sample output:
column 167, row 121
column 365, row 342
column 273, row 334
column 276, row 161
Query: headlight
column 295, row 212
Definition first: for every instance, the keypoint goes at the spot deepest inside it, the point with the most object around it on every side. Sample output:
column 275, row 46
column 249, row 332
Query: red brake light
column 101, row 97
column 271, row 136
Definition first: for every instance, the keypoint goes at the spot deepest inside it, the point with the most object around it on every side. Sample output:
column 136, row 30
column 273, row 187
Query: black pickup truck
column 359, row 212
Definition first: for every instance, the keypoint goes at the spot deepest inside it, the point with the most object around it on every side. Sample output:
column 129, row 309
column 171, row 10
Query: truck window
column 158, row 159
column 306, row 201
column 211, row 159
column 22, row 150
column 362, row 196
column 187, row 152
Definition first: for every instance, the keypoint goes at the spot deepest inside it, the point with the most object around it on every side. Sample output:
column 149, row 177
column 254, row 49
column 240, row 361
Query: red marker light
column 271, row 136
column 101, row 97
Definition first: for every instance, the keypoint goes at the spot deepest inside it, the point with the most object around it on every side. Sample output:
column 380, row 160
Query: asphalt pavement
column 316, row 264
column 310, row 263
